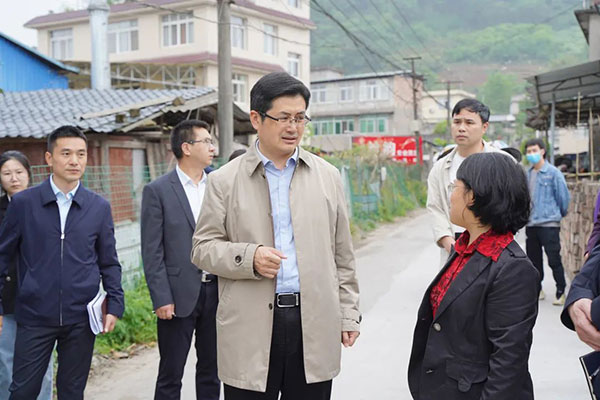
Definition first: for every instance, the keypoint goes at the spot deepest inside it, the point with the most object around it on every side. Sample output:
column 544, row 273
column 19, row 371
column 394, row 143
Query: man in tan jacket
column 274, row 228
column 469, row 124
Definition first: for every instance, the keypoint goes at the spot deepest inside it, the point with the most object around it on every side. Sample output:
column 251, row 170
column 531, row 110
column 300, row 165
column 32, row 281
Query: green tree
column 497, row 91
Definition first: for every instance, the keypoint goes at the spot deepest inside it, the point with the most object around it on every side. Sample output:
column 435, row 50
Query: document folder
column 96, row 310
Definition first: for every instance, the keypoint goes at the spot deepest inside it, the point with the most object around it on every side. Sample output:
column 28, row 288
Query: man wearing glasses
column 184, row 297
column 274, row 228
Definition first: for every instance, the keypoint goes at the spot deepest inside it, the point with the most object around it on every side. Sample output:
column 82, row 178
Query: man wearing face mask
column 550, row 201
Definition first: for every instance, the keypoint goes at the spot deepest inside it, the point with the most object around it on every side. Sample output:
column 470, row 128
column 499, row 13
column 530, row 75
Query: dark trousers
column 286, row 365
column 33, row 348
column 174, row 341
column 549, row 239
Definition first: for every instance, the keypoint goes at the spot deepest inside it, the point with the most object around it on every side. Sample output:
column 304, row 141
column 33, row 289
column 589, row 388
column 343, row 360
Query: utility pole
column 448, row 106
column 225, row 108
column 415, row 126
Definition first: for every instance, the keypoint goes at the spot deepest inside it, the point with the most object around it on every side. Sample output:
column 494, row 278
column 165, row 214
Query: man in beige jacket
column 469, row 124
column 274, row 228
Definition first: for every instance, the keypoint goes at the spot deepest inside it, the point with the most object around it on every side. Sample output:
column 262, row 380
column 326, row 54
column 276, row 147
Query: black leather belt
column 287, row 300
column 207, row 278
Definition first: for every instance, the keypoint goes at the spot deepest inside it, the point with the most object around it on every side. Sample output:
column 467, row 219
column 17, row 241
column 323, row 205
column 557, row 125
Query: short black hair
column 17, row 156
column 515, row 153
column 184, row 132
column 62, row 132
column 535, row 142
column 236, row 153
column 501, row 196
column 273, row 86
column 474, row 106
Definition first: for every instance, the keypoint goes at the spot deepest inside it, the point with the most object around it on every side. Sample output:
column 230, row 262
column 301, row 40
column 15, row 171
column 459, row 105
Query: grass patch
column 138, row 324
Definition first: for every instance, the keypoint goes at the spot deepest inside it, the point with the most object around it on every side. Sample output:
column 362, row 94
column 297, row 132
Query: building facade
column 23, row 68
column 434, row 107
column 366, row 104
column 173, row 43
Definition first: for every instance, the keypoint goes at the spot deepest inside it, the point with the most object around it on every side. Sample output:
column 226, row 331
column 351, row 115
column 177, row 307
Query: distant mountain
column 541, row 33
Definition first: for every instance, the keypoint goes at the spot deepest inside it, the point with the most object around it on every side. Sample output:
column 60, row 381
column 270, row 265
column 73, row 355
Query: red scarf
column 489, row 244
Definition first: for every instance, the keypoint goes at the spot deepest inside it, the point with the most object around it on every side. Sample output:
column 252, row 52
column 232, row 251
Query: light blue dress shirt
column 64, row 202
column 288, row 280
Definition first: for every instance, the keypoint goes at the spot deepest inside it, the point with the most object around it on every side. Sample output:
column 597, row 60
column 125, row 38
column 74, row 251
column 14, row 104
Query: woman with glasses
column 474, row 326
column 15, row 174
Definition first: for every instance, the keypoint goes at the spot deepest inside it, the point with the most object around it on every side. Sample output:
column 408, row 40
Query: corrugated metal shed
column 23, row 68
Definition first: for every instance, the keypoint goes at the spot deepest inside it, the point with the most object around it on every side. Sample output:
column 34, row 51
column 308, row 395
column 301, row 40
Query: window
column 238, row 32
column 319, row 94
column 374, row 90
column 294, row 3
column 61, row 43
column 333, row 126
column 345, row 93
column 294, row 64
column 123, row 36
column 240, row 83
column 178, row 29
column 270, row 39
column 373, row 124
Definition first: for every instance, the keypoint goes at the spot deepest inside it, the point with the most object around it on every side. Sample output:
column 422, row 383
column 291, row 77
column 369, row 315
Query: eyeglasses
column 300, row 120
column 207, row 141
column 453, row 186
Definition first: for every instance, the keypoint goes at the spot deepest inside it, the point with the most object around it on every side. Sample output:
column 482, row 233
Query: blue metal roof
column 57, row 64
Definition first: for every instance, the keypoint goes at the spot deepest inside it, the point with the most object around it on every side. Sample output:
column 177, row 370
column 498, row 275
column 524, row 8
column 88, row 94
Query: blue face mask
column 534, row 158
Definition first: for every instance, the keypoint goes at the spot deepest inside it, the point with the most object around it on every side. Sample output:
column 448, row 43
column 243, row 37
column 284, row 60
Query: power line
column 356, row 40
column 381, row 36
column 406, row 21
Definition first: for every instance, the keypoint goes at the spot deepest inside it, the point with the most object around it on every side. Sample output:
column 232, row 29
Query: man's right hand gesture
column 165, row 312
column 267, row 261
column 580, row 313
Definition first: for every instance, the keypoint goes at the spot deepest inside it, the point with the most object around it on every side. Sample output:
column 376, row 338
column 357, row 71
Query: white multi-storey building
column 155, row 43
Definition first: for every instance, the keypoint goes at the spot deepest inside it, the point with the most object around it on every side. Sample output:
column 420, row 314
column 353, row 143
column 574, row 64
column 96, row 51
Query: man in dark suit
column 184, row 298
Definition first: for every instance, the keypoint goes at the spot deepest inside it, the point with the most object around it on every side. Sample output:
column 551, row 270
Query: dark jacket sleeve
column 584, row 286
column 10, row 235
column 595, row 235
column 153, row 254
column 110, row 268
column 511, row 311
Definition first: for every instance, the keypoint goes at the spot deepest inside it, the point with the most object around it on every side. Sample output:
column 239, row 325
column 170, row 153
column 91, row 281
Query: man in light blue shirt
column 63, row 201
column 279, row 192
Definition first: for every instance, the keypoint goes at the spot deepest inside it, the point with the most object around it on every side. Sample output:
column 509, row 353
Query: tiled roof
column 37, row 113
column 117, row 8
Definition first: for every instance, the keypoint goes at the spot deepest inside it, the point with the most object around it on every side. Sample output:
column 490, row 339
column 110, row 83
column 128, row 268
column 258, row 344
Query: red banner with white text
column 400, row 148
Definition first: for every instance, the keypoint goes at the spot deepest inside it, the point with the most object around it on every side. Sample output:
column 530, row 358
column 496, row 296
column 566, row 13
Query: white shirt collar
column 185, row 179
column 57, row 191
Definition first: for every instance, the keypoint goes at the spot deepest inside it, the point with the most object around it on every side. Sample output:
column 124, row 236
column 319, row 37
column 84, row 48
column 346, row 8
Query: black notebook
column 591, row 367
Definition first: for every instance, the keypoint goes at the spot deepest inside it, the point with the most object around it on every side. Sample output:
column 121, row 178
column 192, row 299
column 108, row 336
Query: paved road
column 394, row 269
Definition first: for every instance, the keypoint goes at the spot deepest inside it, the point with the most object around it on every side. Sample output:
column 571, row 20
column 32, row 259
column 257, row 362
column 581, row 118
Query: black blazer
column 9, row 291
column 167, row 227
column 477, row 346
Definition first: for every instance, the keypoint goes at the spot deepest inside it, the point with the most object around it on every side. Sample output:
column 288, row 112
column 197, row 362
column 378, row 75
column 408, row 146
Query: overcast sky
column 16, row 13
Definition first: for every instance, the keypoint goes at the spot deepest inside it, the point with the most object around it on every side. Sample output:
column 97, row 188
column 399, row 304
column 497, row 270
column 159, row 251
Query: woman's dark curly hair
column 500, row 192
